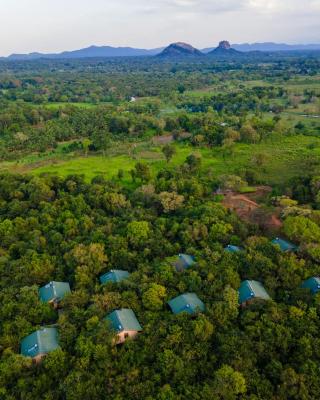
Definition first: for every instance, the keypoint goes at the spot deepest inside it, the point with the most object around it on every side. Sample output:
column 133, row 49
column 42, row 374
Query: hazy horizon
column 47, row 27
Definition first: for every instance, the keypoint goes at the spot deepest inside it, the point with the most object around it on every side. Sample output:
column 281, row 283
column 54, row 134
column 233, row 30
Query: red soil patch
column 250, row 211
column 163, row 139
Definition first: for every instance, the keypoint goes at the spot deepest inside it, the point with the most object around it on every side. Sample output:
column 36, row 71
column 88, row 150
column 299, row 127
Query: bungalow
column 125, row 323
column 250, row 291
column 39, row 343
column 184, row 262
column 188, row 302
column 313, row 284
column 232, row 249
column 284, row 245
column 115, row 276
column 54, row 292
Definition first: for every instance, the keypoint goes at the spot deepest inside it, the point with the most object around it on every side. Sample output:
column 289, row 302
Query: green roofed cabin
column 251, row 291
column 232, row 249
column 284, row 245
column 54, row 292
column 39, row 343
column 188, row 302
column 184, row 262
column 115, row 276
column 313, row 284
column 125, row 323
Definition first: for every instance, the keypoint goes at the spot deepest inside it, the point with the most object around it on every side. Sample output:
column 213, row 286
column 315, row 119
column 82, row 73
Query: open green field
column 64, row 104
column 284, row 158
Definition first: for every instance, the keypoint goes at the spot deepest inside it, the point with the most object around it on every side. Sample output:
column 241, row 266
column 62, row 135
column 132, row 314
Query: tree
column 181, row 88
column 120, row 174
column 138, row 232
column 114, row 202
column 198, row 140
column 249, row 134
column 227, row 148
column 168, row 151
column 194, row 162
column 142, row 171
column 86, row 144
column 260, row 159
column 232, row 134
column 228, row 384
column 203, row 328
column 101, row 140
column 153, row 297
column 88, row 261
column 38, row 268
column 170, row 201
column 302, row 229
column 232, row 182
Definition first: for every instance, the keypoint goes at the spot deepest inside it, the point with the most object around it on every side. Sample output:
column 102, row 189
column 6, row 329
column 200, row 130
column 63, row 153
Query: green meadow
column 283, row 158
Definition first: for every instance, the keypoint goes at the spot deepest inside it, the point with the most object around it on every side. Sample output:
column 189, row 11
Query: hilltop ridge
column 224, row 49
column 179, row 49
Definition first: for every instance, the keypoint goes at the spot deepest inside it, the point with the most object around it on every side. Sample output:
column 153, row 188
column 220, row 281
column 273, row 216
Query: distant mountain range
column 270, row 47
column 178, row 48
column 89, row 52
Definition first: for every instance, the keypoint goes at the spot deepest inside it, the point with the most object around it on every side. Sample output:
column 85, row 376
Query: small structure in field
column 313, row 284
column 54, row 292
column 251, row 291
column 188, row 302
column 115, row 276
column 284, row 245
column 125, row 323
column 184, row 262
column 40, row 343
column 232, row 249
column 133, row 99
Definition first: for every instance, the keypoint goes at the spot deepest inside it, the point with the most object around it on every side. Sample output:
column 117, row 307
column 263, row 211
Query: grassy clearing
column 61, row 104
column 293, row 86
column 57, row 105
column 284, row 158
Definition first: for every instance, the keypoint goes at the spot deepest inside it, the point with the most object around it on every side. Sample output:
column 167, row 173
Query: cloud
column 189, row 6
column 284, row 6
column 47, row 25
column 197, row 7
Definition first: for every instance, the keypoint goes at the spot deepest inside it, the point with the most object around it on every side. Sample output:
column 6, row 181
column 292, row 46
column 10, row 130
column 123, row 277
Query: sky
column 57, row 25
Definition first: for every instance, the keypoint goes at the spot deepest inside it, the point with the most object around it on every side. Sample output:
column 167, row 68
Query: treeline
column 238, row 102
column 70, row 230
column 234, row 113
column 25, row 128
column 113, row 80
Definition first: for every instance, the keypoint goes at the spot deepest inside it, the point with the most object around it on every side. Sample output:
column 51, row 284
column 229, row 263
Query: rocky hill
column 224, row 49
column 180, row 49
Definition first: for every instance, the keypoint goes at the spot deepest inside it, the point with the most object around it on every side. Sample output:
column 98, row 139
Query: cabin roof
column 187, row 302
column 54, row 291
column 232, row 249
column 312, row 283
column 124, row 320
column 252, row 289
column 184, row 261
column 114, row 275
column 41, row 341
column 284, row 244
